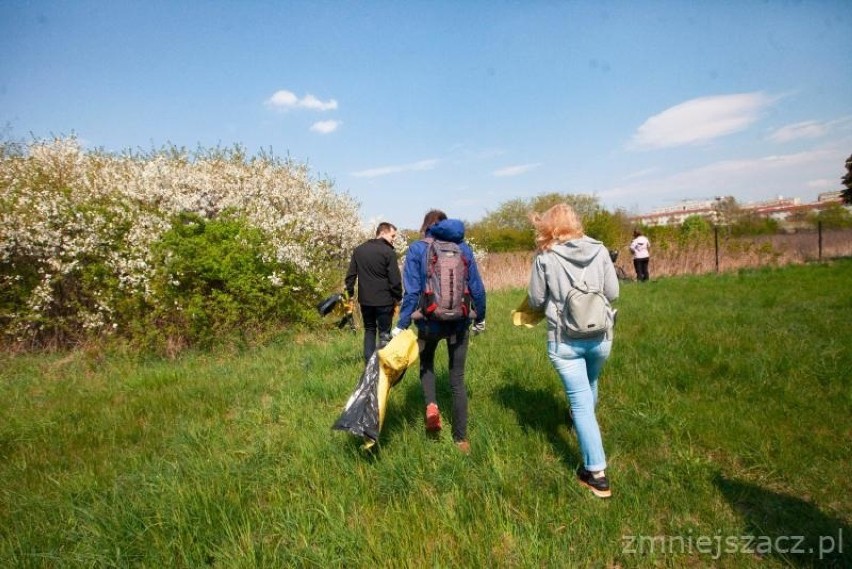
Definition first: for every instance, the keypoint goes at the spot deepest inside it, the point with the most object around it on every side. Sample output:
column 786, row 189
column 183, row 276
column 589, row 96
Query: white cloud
column 701, row 120
column 311, row 102
column 286, row 100
column 515, row 170
column 745, row 179
column 825, row 184
column 641, row 173
column 808, row 129
column 325, row 127
column 283, row 99
column 386, row 170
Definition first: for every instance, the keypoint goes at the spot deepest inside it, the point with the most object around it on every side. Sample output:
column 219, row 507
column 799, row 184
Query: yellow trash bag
column 364, row 412
column 526, row 316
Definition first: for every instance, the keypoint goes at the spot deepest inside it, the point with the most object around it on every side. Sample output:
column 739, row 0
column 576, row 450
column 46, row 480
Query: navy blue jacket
column 414, row 277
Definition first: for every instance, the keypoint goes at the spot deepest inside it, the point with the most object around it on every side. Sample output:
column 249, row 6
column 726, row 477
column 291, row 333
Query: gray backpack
column 446, row 296
column 586, row 313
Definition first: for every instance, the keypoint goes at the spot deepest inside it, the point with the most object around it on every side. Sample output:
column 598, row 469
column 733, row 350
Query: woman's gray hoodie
column 549, row 283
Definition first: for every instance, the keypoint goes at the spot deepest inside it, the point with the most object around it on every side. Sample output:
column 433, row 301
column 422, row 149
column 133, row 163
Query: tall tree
column 508, row 215
column 514, row 214
column 508, row 228
column 585, row 205
column 847, row 181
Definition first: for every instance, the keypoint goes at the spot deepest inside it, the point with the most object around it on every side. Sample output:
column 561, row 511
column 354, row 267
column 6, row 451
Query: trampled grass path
column 725, row 412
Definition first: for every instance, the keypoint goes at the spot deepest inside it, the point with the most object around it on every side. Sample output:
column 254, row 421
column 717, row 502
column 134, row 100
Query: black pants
column 641, row 266
column 457, row 350
column 376, row 319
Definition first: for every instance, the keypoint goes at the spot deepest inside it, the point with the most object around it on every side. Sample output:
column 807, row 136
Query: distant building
column 833, row 197
column 676, row 214
column 779, row 209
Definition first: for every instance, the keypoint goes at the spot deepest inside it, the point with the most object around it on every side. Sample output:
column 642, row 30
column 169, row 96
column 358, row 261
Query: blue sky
column 457, row 105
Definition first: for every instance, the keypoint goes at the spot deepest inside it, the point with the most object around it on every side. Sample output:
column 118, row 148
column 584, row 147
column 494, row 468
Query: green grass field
column 725, row 411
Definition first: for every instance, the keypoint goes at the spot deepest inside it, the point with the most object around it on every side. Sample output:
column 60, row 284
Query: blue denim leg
column 579, row 365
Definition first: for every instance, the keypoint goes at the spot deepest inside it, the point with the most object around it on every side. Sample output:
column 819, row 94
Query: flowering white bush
column 77, row 228
column 480, row 253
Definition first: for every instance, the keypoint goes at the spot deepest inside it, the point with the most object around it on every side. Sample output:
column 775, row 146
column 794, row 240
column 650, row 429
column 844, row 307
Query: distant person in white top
column 641, row 249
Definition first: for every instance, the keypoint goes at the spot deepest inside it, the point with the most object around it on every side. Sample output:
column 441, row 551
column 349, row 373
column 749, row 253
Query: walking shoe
column 598, row 485
column 433, row 418
column 463, row 446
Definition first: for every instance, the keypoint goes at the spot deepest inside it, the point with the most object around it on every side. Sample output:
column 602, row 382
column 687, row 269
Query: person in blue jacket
column 430, row 333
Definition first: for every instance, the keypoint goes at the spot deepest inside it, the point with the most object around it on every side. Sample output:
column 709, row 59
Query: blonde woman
column 566, row 254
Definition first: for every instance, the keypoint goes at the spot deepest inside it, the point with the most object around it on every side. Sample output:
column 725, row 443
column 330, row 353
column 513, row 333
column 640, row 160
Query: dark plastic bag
column 360, row 416
column 329, row 304
column 366, row 408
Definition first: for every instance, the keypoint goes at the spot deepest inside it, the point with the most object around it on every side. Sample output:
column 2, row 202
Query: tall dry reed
column 510, row 270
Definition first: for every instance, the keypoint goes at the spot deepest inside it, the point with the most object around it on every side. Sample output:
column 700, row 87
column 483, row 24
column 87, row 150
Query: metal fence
column 726, row 252
column 717, row 252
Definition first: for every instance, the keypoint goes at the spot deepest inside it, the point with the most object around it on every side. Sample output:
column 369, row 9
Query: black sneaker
column 598, row 486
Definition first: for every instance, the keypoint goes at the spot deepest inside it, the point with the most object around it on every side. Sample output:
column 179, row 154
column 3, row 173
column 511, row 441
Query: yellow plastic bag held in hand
column 394, row 359
column 398, row 355
column 526, row 316
column 364, row 413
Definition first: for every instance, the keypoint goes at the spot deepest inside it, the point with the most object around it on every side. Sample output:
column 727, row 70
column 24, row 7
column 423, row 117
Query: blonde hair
column 558, row 224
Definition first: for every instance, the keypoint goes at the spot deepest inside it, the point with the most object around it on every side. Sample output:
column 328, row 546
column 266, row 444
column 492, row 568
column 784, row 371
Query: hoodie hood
column 447, row 230
column 580, row 252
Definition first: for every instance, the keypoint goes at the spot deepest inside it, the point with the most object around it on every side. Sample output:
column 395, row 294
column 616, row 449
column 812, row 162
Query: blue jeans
column 579, row 363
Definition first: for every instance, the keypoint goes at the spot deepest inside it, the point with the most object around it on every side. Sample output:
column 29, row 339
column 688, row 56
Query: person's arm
column 394, row 278
column 537, row 290
column 475, row 285
column 411, row 273
column 351, row 275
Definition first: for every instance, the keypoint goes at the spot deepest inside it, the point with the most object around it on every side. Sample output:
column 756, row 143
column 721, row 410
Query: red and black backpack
column 446, row 296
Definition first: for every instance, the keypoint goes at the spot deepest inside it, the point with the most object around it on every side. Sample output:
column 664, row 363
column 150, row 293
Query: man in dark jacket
column 374, row 266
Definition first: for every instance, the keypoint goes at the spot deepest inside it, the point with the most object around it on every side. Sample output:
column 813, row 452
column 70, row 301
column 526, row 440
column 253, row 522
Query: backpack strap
column 571, row 278
column 429, row 264
column 561, row 305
